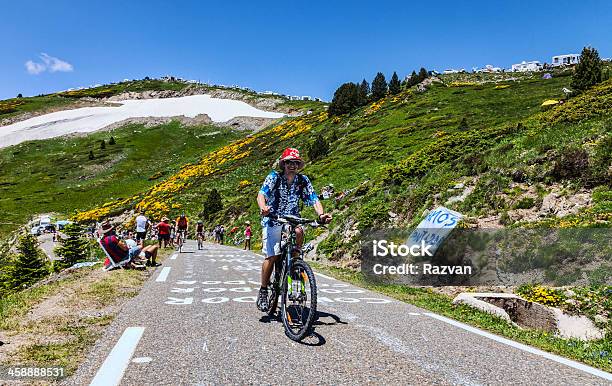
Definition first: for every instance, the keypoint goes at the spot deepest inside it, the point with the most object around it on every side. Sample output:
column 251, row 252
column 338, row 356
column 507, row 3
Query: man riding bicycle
column 200, row 233
column 182, row 226
column 279, row 195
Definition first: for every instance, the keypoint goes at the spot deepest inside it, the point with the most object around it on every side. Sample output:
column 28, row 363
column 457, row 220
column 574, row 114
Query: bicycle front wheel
column 299, row 300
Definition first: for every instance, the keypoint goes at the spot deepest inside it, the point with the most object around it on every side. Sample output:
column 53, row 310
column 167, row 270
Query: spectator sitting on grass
column 119, row 250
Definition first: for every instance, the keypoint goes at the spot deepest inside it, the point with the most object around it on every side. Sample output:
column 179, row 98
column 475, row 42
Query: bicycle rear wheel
column 299, row 300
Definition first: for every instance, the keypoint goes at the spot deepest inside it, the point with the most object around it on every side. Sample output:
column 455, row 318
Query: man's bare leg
column 266, row 269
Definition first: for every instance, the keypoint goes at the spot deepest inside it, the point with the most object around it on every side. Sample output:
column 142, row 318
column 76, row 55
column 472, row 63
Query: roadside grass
column 596, row 353
column 89, row 301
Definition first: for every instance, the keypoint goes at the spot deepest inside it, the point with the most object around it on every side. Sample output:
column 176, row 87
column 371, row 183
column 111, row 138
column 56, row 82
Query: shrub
column 525, row 203
column 91, row 155
column 571, row 162
column 102, row 144
column 111, row 141
column 543, row 295
column 318, row 148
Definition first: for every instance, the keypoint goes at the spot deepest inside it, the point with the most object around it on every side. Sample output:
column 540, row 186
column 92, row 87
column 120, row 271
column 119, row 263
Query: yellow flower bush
column 501, row 86
column 374, row 107
column 244, row 183
column 9, row 106
column 543, row 295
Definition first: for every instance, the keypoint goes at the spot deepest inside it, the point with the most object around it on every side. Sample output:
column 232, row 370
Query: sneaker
column 262, row 300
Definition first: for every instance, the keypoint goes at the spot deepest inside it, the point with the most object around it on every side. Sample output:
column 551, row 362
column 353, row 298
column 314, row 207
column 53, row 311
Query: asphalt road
column 195, row 323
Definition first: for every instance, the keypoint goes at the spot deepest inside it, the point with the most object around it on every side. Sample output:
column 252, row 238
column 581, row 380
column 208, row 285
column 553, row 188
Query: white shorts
column 271, row 237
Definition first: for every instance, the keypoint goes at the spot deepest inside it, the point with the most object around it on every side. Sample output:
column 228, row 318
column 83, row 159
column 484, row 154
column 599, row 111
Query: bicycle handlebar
column 293, row 220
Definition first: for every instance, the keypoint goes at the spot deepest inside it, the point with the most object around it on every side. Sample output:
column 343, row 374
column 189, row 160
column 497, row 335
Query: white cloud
column 50, row 63
column 34, row 68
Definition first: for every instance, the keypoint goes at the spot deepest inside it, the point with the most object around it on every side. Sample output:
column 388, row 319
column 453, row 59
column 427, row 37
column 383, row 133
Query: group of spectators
column 130, row 245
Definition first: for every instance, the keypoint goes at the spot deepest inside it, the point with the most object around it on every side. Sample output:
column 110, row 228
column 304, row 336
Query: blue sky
column 299, row 48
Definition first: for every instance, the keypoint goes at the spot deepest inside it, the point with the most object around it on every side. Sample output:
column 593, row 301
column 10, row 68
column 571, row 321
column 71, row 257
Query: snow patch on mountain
column 89, row 119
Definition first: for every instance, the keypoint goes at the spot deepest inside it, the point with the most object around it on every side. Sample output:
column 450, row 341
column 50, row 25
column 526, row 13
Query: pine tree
column 364, row 92
column 29, row 266
column 346, row 99
column 318, row 148
column 74, row 248
column 394, row 84
column 413, row 79
column 103, row 145
column 588, row 71
column 423, row 74
column 91, row 155
column 379, row 87
column 212, row 204
column 111, row 141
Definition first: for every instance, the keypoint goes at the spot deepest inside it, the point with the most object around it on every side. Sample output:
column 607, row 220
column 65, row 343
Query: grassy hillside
column 405, row 150
column 57, row 175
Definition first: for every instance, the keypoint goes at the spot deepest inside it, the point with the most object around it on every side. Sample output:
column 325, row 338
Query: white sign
column 435, row 228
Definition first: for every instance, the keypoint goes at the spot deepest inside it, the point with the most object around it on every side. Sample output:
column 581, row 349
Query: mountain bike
column 294, row 282
column 200, row 240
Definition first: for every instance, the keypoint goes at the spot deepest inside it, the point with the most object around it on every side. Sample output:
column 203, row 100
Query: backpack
column 301, row 184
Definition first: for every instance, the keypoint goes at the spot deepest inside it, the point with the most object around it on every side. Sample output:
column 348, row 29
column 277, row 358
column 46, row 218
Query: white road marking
column 185, row 282
column 142, row 360
column 205, row 348
column 179, row 301
column 112, row 370
column 245, row 299
column 215, row 300
column 163, row 275
column 182, row 290
column 324, row 276
column 520, row 346
column 173, row 257
column 414, row 313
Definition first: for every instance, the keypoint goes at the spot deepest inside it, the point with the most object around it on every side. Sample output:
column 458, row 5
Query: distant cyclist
column 200, row 233
column 182, row 226
column 280, row 195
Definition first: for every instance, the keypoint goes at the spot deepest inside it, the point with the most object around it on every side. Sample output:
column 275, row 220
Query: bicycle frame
column 281, row 267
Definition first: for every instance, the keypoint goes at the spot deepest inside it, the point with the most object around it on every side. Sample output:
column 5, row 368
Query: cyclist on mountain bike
column 182, row 226
column 279, row 195
column 200, row 233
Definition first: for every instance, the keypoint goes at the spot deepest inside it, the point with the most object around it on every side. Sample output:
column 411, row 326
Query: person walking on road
column 221, row 234
column 279, row 195
column 163, row 232
column 247, row 236
column 142, row 225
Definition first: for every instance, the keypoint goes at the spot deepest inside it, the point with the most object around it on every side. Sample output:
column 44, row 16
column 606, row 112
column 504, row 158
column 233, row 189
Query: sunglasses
column 294, row 163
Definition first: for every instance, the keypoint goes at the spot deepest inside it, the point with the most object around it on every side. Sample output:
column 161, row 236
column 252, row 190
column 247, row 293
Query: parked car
column 36, row 230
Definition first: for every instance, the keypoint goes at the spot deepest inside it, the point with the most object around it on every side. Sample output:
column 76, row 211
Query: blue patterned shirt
column 288, row 199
